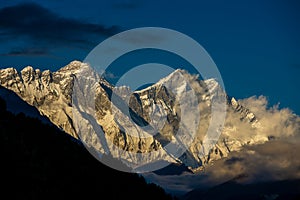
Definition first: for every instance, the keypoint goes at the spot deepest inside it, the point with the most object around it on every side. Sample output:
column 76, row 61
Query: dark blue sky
column 255, row 44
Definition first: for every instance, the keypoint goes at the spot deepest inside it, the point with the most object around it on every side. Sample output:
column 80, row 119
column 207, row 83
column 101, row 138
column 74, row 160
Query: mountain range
column 51, row 94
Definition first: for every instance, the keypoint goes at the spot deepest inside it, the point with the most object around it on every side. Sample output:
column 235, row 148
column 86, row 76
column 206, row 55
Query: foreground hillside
column 41, row 162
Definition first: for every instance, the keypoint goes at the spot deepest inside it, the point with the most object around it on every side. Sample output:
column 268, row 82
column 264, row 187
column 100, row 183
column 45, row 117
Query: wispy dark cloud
column 40, row 25
column 27, row 52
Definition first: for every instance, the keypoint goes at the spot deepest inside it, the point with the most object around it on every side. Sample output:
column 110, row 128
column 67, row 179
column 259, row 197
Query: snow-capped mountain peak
column 162, row 105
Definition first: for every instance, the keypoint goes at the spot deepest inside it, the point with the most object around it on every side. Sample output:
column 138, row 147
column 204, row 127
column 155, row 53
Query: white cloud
column 276, row 122
column 277, row 159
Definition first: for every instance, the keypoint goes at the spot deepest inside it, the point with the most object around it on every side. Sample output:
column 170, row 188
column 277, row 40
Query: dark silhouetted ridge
column 39, row 161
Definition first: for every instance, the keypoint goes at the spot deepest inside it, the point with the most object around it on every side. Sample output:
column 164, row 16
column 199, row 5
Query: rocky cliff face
column 49, row 92
column 162, row 107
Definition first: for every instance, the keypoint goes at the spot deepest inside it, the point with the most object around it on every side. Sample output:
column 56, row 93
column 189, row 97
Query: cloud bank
column 276, row 122
column 277, row 159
